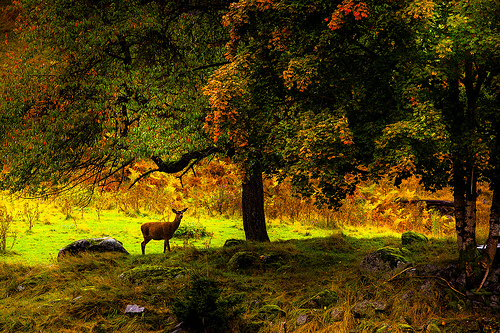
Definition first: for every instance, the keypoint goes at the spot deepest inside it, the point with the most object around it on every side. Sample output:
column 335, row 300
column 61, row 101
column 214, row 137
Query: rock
column 302, row 319
column 384, row 259
column 151, row 273
column 411, row 237
column 105, row 244
column 426, row 288
column 337, row 314
column 234, row 242
column 134, row 309
column 368, row 309
column 241, row 260
column 392, row 255
column 494, row 275
column 373, row 263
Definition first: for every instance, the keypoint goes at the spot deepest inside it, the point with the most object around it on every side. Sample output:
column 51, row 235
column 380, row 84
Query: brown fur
column 161, row 230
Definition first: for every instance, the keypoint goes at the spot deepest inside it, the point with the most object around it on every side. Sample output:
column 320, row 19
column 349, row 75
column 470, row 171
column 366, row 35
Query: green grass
column 54, row 230
column 86, row 293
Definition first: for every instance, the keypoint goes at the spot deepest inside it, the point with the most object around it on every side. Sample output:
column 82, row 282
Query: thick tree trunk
column 252, row 202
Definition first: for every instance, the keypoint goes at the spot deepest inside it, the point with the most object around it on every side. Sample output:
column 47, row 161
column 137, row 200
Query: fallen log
column 444, row 207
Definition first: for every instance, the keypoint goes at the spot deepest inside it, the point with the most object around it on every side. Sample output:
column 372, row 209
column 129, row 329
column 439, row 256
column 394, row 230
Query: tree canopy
column 102, row 84
column 352, row 89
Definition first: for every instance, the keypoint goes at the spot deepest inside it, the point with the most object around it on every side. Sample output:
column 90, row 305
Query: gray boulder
column 105, row 244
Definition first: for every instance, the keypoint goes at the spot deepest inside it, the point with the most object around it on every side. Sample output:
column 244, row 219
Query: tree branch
column 183, row 161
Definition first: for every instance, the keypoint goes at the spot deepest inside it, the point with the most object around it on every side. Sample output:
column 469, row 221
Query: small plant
column 221, row 200
column 5, row 224
column 31, row 214
column 190, row 230
column 202, row 307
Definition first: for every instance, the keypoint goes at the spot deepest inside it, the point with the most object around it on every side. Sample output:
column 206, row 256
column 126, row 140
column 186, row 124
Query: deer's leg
column 143, row 245
column 166, row 245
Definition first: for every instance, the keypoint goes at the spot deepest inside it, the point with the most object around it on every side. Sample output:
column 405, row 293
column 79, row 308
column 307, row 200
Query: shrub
column 202, row 307
column 31, row 214
column 190, row 230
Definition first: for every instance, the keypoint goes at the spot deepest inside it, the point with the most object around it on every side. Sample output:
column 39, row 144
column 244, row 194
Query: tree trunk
column 492, row 243
column 465, row 217
column 252, row 204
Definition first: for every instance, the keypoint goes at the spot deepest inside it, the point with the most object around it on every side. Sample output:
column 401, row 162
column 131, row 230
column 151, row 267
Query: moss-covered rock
column 412, row 237
column 241, row 260
column 325, row 298
column 367, row 309
column 234, row 242
column 384, row 259
column 271, row 310
column 392, row 255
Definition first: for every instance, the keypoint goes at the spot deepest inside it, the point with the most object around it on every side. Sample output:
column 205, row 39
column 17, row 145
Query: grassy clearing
column 40, row 243
column 314, row 255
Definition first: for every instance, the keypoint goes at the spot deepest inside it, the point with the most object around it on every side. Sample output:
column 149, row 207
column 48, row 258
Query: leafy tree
column 349, row 89
column 106, row 83
column 298, row 94
column 451, row 90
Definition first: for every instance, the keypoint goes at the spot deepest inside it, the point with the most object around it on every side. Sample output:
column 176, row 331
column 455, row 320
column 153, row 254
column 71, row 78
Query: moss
column 151, row 273
column 241, row 260
column 271, row 310
column 433, row 328
column 411, row 237
column 392, row 255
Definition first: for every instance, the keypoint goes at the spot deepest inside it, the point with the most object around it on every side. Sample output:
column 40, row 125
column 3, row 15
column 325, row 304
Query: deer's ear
column 184, row 210
column 175, row 212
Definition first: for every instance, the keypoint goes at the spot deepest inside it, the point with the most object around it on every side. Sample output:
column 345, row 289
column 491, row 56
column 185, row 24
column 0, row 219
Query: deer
column 161, row 230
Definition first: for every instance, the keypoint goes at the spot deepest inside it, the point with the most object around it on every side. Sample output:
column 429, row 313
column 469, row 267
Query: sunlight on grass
column 373, row 214
column 41, row 243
